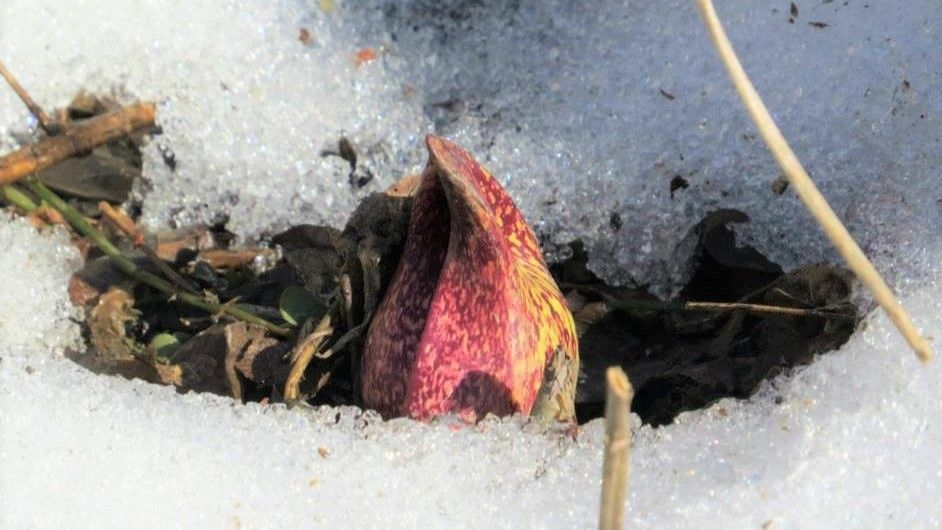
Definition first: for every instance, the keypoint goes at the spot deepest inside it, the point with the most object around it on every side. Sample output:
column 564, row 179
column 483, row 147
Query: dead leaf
column 252, row 355
column 107, row 324
column 684, row 360
column 405, row 186
column 169, row 374
column 96, row 277
column 312, row 253
column 202, row 361
column 81, row 292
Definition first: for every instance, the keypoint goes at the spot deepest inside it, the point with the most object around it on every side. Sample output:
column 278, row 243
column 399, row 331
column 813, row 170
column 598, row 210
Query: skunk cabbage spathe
column 472, row 322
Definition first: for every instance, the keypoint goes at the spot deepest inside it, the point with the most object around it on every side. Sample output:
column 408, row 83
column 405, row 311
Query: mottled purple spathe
column 472, row 316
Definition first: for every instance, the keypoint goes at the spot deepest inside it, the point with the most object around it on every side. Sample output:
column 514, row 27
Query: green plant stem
column 131, row 269
column 17, row 198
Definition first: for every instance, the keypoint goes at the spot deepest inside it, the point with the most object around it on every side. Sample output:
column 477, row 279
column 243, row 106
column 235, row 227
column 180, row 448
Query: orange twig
column 231, row 259
column 123, row 222
column 79, row 138
column 120, row 219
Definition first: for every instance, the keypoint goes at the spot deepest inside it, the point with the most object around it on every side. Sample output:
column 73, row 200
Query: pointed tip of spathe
column 436, row 143
column 452, row 160
column 443, row 154
column 461, row 174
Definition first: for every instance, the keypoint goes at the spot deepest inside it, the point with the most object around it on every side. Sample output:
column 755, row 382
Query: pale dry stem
column 806, row 189
column 619, row 394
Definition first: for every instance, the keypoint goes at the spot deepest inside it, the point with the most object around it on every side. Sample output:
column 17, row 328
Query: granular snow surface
column 583, row 113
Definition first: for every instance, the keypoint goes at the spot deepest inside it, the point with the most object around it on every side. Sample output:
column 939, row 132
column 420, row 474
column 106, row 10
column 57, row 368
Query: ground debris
column 677, row 360
column 682, row 360
column 224, row 358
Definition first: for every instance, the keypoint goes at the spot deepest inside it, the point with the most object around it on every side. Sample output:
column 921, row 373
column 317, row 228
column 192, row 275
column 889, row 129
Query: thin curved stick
column 806, row 189
column 44, row 121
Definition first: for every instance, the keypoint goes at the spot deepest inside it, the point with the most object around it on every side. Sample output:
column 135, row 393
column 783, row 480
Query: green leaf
column 164, row 345
column 297, row 305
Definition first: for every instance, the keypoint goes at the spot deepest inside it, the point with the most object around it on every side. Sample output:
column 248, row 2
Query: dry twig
column 310, row 348
column 33, row 107
column 124, row 223
column 120, row 219
column 725, row 307
column 8, row 191
column 806, row 189
column 218, row 258
column 617, row 448
column 77, row 139
column 711, row 307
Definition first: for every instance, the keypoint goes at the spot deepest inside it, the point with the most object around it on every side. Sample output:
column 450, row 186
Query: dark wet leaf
column 100, row 176
column 312, row 252
column 725, row 271
column 371, row 244
column 108, row 172
column 297, row 305
column 681, row 361
column 202, row 362
column 207, row 276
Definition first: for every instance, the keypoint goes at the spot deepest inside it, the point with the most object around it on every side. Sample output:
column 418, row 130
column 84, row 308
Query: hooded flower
column 472, row 322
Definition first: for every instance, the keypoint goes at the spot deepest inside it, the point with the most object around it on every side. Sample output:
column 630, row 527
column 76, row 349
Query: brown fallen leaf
column 111, row 350
column 202, row 362
column 81, row 292
column 247, row 346
column 169, row 374
column 404, row 186
column 261, row 358
column 217, row 359
column 96, row 277
column 108, row 321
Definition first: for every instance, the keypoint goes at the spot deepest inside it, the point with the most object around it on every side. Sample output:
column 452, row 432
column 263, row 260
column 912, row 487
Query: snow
column 565, row 106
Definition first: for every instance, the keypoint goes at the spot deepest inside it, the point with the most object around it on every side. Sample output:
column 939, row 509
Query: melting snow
column 582, row 112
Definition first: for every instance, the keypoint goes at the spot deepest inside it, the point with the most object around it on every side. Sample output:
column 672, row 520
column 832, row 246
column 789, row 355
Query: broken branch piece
column 619, row 394
column 78, row 138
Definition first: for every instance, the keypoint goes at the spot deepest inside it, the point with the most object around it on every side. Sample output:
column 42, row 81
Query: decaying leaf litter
column 320, row 286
